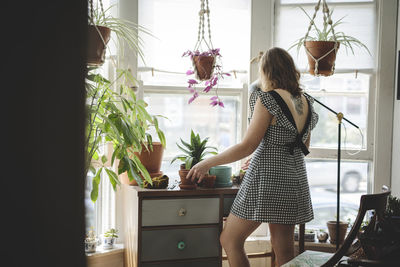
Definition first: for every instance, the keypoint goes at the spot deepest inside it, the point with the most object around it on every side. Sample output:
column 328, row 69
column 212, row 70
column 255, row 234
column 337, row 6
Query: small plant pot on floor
column 97, row 44
column 332, row 231
column 325, row 51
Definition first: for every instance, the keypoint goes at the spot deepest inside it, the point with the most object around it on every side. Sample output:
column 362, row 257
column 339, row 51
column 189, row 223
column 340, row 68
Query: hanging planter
column 100, row 26
column 322, row 49
column 206, row 63
column 321, row 56
column 98, row 37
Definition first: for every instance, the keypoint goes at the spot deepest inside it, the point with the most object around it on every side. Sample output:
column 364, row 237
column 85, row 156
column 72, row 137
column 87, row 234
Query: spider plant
column 326, row 34
column 195, row 151
column 125, row 31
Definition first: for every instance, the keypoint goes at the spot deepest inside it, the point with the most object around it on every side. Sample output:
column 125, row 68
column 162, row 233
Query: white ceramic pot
column 90, row 246
column 108, row 242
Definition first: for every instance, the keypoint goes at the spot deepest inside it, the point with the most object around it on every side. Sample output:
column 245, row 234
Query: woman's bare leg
column 282, row 239
column 232, row 239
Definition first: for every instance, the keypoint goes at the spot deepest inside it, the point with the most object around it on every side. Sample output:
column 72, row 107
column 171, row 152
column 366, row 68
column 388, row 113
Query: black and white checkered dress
column 275, row 187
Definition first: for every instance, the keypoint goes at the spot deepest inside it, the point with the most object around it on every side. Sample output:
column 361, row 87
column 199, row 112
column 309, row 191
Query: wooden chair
column 376, row 202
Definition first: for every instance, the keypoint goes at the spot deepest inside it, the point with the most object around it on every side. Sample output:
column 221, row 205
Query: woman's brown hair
column 277, row 70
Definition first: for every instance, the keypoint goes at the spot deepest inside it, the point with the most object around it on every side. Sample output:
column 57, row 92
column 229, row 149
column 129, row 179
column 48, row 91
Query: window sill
column 106, row 257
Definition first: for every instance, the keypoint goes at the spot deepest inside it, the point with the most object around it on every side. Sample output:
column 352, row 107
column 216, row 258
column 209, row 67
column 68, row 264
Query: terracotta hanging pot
column 204, row 66
column 318, row 49
column 96, row 53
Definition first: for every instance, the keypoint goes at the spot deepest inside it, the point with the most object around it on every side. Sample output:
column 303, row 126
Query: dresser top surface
column 176, row 191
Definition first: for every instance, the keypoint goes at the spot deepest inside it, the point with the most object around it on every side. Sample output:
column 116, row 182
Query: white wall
column 396, row 131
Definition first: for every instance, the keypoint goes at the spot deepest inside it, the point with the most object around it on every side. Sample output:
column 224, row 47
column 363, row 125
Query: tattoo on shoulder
column 298, row 104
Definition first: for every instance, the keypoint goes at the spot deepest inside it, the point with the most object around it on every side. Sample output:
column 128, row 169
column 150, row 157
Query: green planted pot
column 224, row 174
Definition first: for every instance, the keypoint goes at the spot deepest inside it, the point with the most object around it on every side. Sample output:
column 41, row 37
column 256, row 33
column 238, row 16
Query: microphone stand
column 339, row 117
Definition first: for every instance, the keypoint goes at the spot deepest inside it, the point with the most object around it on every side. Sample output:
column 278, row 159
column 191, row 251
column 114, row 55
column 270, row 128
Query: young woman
column 275, row 188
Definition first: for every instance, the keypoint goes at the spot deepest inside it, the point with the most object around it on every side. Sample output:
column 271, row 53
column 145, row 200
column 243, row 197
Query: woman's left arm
column 256, row 131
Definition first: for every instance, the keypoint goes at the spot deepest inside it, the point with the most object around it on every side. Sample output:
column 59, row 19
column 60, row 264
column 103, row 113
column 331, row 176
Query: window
column 175, row 26
column 348, row 91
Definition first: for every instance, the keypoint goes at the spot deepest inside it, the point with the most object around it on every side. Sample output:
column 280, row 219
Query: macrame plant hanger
column 204, row 65
column 327, row 20
column 98, row 37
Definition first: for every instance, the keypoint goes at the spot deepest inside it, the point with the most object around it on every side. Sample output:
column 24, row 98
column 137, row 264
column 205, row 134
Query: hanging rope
column 200, row 36
column 327, row 21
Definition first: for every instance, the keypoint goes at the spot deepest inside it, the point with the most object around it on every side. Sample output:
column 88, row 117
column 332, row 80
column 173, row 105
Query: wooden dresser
column 175, row 228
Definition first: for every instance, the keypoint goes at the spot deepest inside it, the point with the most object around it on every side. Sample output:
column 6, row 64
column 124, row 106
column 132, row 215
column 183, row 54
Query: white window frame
column 380, row 100
column 380, row 96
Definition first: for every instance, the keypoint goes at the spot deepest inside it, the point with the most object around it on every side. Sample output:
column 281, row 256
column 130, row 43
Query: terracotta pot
column 186, row 183
column 96, row 53
column 209, row 181
column 152, row 159
column 204, row 66
column 332, row 231
column 318, row 49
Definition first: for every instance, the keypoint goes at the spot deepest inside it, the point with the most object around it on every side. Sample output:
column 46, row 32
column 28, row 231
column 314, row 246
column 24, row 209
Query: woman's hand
column 245, row 165
column 198, row 171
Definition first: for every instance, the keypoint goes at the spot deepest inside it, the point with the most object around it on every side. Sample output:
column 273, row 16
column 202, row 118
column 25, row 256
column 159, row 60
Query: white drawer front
column 161, row 212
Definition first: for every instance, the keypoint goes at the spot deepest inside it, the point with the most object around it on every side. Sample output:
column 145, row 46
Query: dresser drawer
column 208, row 263
column 228, row 201
column 179, row 211
column 175, row 244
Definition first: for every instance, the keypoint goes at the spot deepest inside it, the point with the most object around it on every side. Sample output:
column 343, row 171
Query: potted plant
column 206, row 62
column 109, row 238
column 193, row 152
column 91, row 241
column 322, row 48
column 207, row 68
column 382, row 241
column 343, row 226
column 119, row 118
column 309, row 235
column 100, row 26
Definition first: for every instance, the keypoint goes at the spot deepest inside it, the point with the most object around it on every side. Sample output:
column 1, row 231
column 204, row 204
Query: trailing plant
column 122, row 119
column 326, row 34
column 195, row 151
column 210, row 83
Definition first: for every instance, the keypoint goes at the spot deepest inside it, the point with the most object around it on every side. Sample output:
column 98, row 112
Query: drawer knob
column 182, row 212
column 181, row 245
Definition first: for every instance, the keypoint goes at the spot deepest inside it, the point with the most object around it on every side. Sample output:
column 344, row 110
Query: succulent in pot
column 193, row 152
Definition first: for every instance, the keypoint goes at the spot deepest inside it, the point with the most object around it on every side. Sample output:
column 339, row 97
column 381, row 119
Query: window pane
column 221, row 125
column 175, row 24
column 359, row 22
column 322, row 178
column 343, row 93
column 328, row 1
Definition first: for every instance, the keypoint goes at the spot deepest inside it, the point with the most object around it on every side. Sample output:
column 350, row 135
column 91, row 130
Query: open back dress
column 275, row 187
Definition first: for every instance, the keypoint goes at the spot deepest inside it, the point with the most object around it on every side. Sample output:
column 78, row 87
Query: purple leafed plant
column 209, row 84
